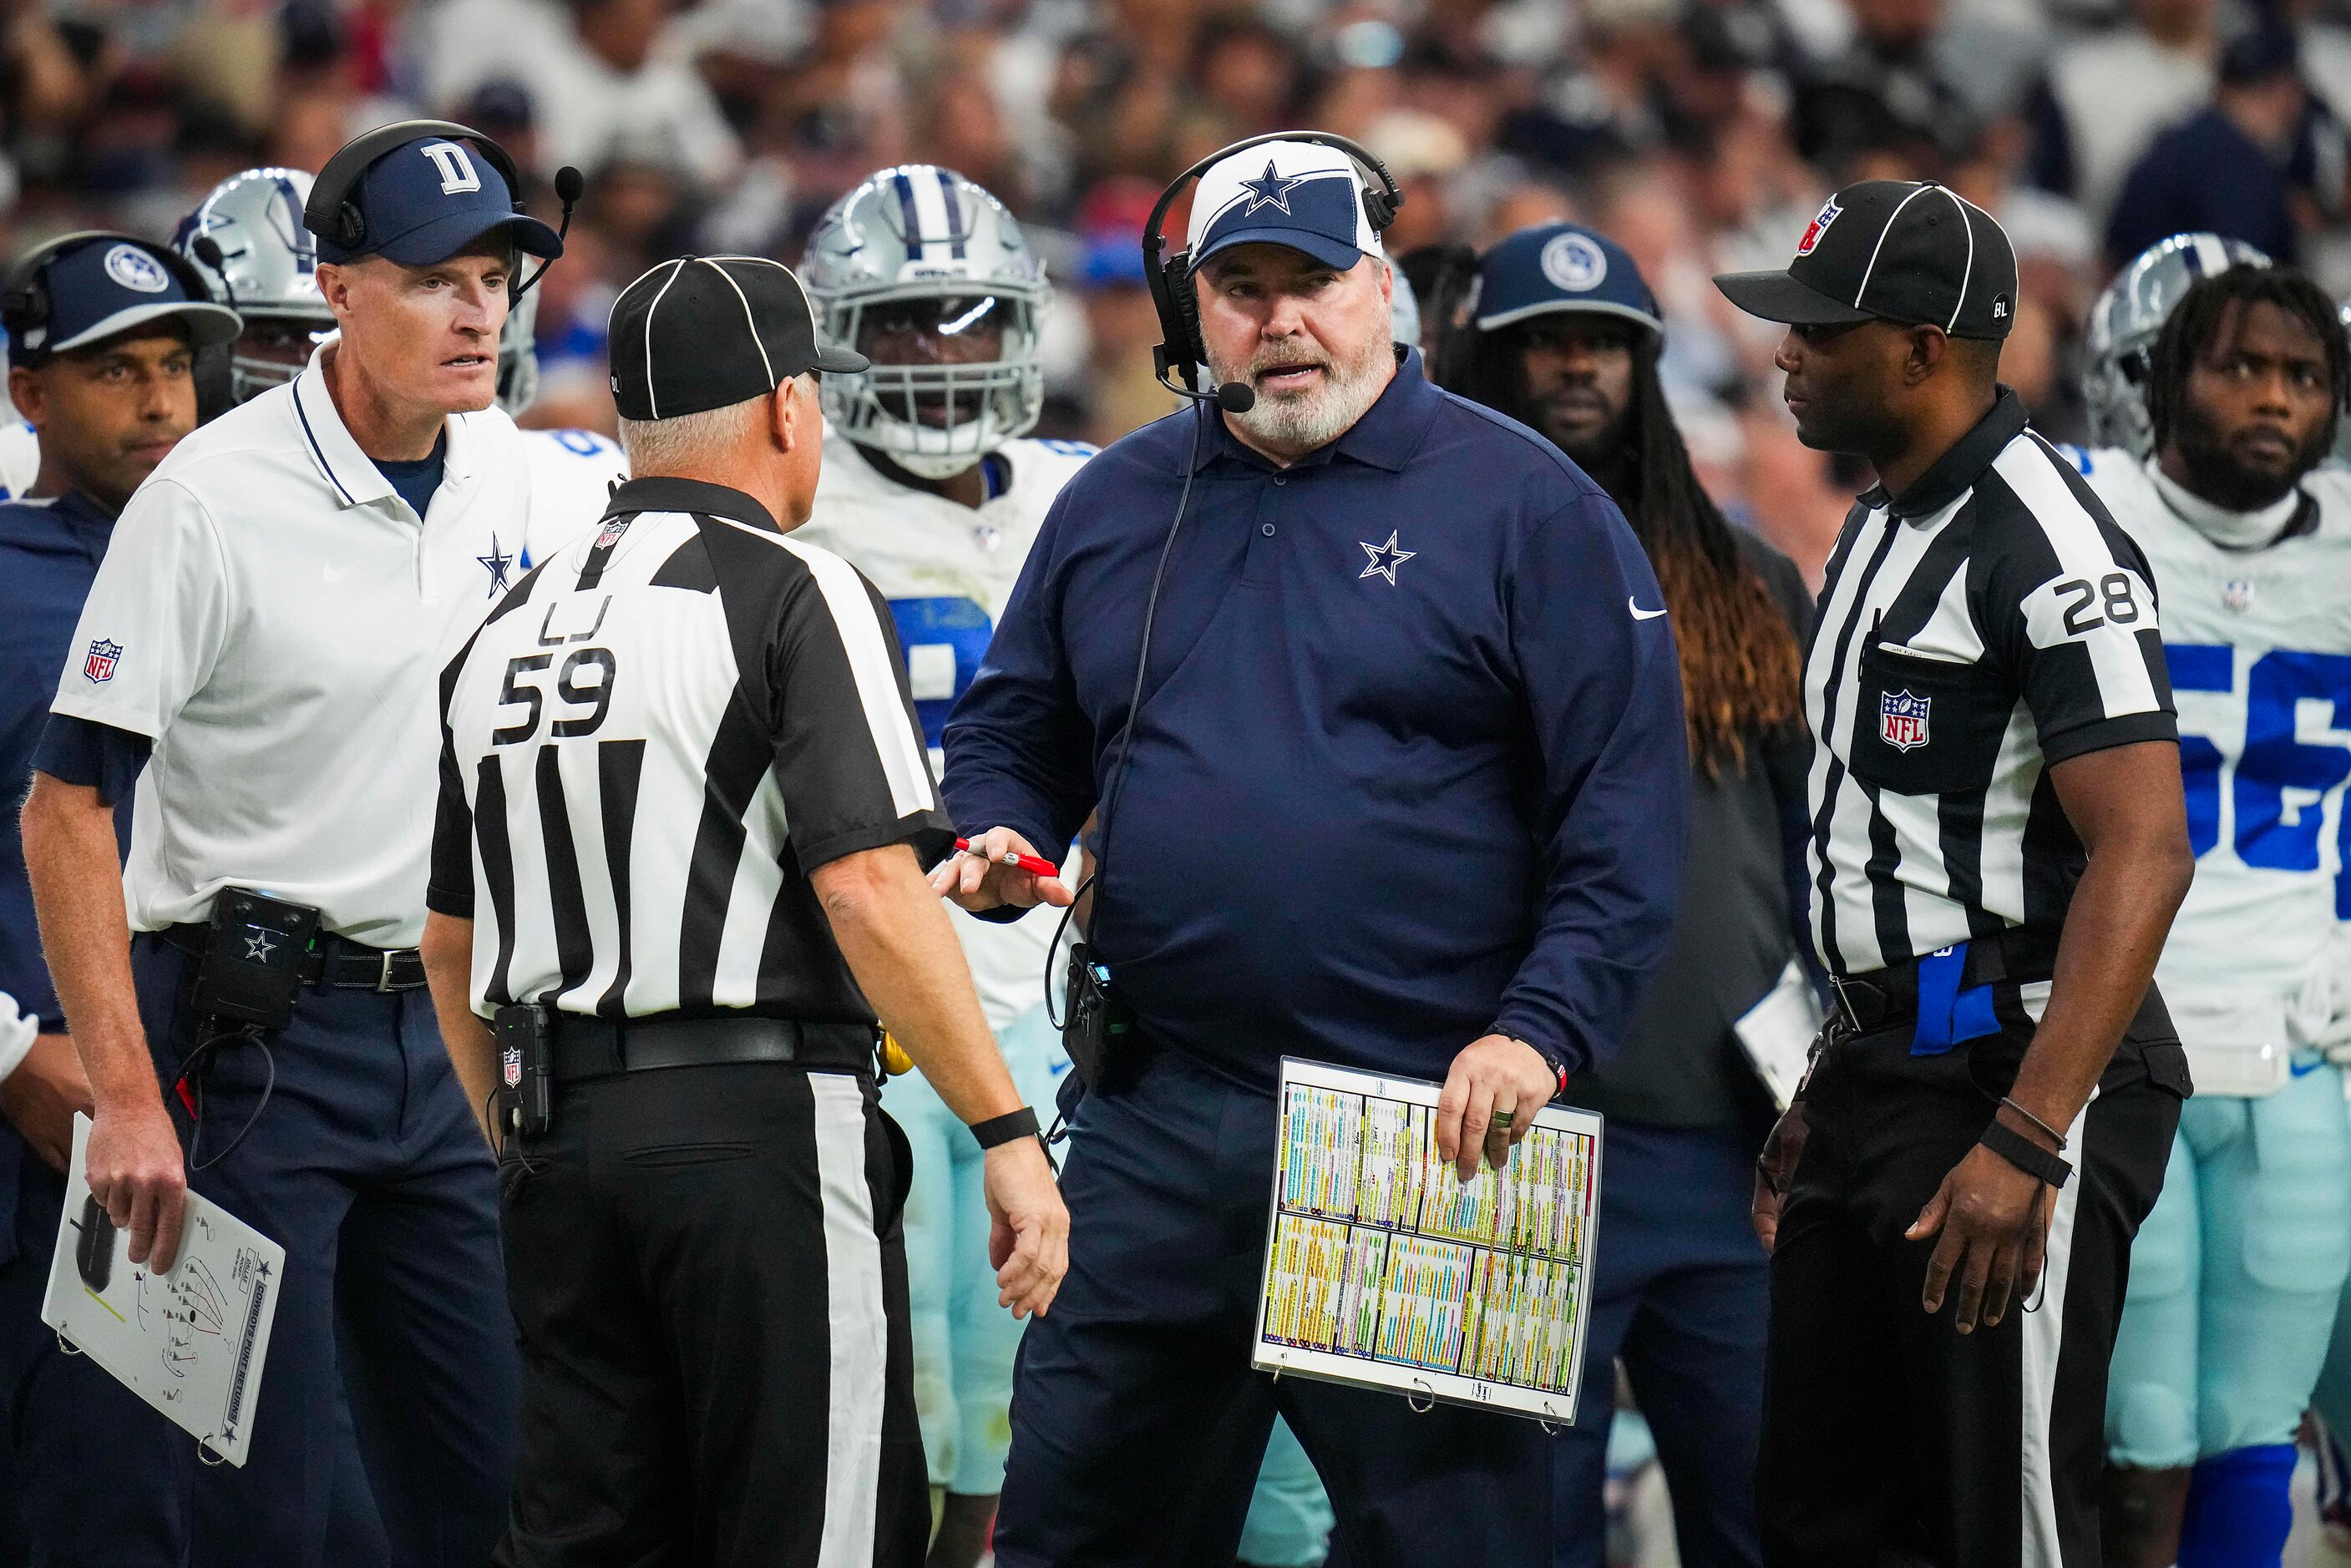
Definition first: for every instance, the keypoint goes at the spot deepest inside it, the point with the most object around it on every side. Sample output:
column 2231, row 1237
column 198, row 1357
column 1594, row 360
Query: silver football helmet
column 518, row 355
column 904, row 267
column 2129, row 316
column 267, row 273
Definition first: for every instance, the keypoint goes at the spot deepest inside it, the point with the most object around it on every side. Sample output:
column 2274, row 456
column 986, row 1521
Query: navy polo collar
column 1387, row 435
column 1952, row 474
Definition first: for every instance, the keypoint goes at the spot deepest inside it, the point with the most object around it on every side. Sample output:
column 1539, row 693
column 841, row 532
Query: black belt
column 602, row 1048
column 336, row 961
column 1887, row 997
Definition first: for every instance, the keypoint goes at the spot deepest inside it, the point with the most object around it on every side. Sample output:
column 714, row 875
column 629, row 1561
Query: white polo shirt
column 274, row 618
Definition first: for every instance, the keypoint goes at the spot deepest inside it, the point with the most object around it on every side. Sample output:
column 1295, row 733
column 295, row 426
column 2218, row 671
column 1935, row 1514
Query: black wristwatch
column 1004, row 1129
column 1552, row 1059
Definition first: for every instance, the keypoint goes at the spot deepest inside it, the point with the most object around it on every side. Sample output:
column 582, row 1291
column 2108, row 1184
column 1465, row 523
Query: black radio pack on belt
column 251, row 967
column 1096, row 1033
column 526, row 1039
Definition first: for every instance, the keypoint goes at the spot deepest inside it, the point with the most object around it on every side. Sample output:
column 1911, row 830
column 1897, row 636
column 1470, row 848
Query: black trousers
column 710, row 1284
column 1889, row 1438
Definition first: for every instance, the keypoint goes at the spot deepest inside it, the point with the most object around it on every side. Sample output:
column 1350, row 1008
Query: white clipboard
column 1778, row 1032
column 1385, row 1269
column 191, row 1342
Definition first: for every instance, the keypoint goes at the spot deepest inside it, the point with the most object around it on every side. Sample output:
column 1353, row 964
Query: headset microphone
column 1233, row 397
column 207, row 251
column 569, row 185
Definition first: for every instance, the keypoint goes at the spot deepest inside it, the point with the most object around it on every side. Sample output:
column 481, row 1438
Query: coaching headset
column 1178, row 360
column 332, row 215
column 1097, row 1032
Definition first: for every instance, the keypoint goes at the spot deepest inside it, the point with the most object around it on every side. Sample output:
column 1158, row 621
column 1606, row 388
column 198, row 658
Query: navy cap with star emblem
column 1559, row 269
column 102, row 285
column 1304, row 194
column 1905, row 251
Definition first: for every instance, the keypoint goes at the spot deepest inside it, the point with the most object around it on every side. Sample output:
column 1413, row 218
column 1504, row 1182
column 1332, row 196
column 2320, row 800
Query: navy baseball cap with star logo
column 431, row 199
column 1302, row 194
column 101, row 286
column 1556, row 269
column 1905, row 251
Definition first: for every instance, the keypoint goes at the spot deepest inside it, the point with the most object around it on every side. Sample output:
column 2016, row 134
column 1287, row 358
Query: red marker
column 1028, row 863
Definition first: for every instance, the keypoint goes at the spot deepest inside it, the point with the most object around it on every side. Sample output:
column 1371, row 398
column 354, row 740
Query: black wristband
column 1018, row 1124
column 2025, row 1154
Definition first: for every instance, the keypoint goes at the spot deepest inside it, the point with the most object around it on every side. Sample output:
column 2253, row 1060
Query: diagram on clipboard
column 1384, row 1269
column 191, row 1342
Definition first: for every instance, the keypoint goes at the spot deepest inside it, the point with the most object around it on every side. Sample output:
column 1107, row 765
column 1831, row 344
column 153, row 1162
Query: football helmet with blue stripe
column 2126, row 320
column 928, row 276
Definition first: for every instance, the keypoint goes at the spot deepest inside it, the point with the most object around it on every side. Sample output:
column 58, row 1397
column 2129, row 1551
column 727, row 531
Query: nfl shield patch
column 99, row 666
column 1902, row 720
column 1829, row 214
column 511, row 1067
column 612, row 534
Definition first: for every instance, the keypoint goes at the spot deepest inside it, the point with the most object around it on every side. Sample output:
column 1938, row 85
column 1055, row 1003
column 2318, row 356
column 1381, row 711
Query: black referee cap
column 703, row 332
column 1891, row 250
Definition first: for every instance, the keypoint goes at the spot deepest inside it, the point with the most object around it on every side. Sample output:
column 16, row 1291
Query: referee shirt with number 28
column 1988, row 623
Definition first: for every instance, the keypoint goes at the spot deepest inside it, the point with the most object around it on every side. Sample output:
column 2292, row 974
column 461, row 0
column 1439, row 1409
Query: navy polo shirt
column 1409, row 765
column 49, row 552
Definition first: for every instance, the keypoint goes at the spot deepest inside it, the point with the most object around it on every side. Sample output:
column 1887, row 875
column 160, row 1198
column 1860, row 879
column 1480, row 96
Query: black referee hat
column 1891, row 250
column 703, row 332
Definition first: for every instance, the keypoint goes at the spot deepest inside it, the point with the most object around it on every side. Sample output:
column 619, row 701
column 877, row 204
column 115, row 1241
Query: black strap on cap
column 2025, row 1154
column 1003, row 1130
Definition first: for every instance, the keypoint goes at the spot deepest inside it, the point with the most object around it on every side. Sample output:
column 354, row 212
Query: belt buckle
column 383, row 974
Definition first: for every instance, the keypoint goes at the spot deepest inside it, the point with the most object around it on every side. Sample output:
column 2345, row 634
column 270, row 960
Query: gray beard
column 1305, row 421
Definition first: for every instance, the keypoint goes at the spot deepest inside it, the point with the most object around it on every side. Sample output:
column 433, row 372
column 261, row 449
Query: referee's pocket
column 1924, row 726
column 901, row 1171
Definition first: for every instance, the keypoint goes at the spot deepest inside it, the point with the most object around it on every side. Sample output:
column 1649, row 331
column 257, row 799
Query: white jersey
column 572, row 473
column 947, row 570
column 20, row 458
column 2258, row 641
column 274, row 618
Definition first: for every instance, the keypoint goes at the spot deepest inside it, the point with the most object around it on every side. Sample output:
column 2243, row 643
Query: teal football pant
column 2236, row 1277
column 1289, row 1516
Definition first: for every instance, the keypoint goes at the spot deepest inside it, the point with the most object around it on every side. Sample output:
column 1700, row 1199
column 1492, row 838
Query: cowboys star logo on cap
column 135, row 268
column 1574, row 263
column 1301, row 195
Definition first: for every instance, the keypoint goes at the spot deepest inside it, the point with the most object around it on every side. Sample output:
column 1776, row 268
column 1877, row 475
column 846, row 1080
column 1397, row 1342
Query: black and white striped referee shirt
column 1986, row 624
column 650, row 744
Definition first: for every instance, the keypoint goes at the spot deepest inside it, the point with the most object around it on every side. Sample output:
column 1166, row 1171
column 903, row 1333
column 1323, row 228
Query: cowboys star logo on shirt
column 1829, row 214
column 1902, row 720
column 510, row 1066
column 99, row 666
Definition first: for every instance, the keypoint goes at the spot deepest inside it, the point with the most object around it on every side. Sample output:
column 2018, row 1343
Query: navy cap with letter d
column 430, row 199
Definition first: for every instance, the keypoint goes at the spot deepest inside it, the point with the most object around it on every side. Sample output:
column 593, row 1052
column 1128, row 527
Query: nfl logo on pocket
column 511, row 1064
column 98, row 667
column 1902, row 720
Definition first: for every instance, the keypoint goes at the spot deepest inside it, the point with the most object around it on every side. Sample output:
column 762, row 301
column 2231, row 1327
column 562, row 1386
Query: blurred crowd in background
column 1702, row 134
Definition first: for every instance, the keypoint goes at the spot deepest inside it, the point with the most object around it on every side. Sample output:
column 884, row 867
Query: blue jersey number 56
column 2273, row 760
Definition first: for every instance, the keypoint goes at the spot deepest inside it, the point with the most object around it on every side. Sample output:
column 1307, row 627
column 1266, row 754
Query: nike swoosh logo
column 1638, row 613
column 2302, row 1071
column 336, row 574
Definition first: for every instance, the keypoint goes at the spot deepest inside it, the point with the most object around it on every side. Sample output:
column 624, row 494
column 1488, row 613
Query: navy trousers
column 1137, row 1425
column 1682, row 1293
column 365, row 1164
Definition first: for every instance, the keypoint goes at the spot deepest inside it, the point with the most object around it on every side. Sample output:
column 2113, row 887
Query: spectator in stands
column 2231, row 168
column 2107, row 97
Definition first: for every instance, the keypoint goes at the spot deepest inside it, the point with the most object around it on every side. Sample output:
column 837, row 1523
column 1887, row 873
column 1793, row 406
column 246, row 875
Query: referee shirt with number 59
column 1986, row 624
column 650, row 744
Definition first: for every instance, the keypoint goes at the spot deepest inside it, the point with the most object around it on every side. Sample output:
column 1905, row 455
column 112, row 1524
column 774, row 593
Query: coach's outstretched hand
column 1029, row 1229
column 978, row 878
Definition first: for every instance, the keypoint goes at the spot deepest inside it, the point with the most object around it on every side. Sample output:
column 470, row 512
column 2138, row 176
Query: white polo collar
column 352, row 474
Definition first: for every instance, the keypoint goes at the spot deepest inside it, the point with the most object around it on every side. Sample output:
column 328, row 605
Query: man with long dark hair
column 1563, row 335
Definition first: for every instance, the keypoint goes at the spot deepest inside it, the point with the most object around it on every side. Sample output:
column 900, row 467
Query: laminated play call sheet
column 1385, row 1269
